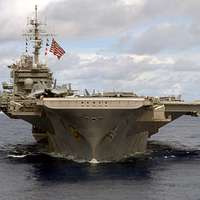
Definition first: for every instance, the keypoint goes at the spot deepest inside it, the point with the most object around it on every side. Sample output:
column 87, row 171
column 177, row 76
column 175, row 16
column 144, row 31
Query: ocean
column 170, row 171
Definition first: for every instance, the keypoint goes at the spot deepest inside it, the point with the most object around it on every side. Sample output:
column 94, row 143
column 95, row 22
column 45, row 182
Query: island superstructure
column 106, row 126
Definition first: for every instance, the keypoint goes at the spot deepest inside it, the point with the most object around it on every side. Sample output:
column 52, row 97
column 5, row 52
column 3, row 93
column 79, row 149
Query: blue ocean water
column 170, row 172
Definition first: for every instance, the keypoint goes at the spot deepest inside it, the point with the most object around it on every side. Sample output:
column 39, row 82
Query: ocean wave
column 156, row 150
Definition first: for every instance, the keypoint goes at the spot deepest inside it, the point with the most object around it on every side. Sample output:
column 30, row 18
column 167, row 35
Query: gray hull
column 104, row 135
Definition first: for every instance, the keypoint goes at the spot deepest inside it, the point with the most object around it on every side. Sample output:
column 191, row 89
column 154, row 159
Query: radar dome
column 28, row 83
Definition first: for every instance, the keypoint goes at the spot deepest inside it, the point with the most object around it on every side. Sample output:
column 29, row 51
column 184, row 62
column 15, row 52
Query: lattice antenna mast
column 37, row 38
column 35, row 34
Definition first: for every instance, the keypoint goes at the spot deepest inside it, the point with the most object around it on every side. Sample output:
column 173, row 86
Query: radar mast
column 38, row 41
column 35, row 34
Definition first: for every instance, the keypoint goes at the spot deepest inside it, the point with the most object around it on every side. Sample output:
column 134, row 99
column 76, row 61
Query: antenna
column 36, row 13
column 35, row 34
column 37, row 37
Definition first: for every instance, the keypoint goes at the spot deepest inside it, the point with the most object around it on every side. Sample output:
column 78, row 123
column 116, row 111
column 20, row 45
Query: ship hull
column 101, row 134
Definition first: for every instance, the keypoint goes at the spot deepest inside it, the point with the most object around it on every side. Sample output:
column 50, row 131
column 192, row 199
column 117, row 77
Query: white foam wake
column 93, row 161
column 16, row 156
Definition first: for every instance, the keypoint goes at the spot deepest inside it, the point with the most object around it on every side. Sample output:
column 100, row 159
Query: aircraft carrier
column 99, row 127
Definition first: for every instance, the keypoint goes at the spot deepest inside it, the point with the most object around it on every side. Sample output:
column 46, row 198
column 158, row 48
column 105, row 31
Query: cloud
column 14, row 15
column 92, row 18
column 162, row 38
column 145, row 75
column 112, row 18
column 163, row 27
column 171, row 8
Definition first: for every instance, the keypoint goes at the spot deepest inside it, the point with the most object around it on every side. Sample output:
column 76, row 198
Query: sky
column 150, row 47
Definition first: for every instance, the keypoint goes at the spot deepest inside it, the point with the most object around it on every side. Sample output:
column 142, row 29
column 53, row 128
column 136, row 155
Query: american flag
column 56, row 49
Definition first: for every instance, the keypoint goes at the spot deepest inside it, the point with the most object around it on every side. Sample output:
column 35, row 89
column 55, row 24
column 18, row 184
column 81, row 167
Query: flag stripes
column 56, row 49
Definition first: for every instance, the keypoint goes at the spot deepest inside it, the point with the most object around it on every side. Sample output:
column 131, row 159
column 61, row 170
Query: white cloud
column 149, row 75
column 133, row 2
column 162, row 37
